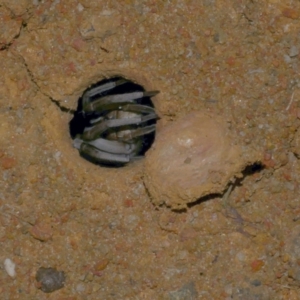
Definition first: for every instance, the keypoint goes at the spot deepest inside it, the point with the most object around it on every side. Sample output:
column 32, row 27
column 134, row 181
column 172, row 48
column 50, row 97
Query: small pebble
column 80, row 8
column 9, row 267
column 294, row 51
column 241, row 256
column 41, row 231
column 256, row 282
column 49, row 279
column 188, row 291
column 80, row 288
column 287, row 58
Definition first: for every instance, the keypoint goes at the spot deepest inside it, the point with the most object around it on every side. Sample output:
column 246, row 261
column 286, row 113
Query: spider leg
column 96, row 120
column 113, row 147
column 135, row 108
column 112, row 101
column 100, row 89
column 95, row 131
column 99, row 156
column 134, row 133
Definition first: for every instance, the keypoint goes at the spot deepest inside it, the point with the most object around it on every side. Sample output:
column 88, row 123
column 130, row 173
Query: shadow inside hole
column 252, row 169
column 81, row 120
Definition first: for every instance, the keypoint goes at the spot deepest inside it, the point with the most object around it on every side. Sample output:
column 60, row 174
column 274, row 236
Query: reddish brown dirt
column 238, row 60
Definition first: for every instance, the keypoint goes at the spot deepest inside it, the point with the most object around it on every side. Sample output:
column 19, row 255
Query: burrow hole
column 82, row 120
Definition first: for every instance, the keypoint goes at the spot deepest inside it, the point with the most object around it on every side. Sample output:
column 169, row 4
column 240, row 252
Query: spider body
column 119, row 120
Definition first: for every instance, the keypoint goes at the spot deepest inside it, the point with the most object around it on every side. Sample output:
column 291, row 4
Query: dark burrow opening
column 252, row 169
column 114, row 122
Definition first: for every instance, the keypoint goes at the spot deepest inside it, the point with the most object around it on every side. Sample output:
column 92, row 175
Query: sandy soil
column 236, row 59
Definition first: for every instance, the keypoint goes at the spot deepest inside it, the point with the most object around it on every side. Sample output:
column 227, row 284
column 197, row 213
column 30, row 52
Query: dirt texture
column 192, row 158
column 106, row 229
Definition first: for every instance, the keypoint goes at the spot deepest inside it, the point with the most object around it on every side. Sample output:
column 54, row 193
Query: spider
column 118, row 122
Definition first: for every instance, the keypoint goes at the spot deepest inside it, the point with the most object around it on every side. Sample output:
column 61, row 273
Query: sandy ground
column 236, row 59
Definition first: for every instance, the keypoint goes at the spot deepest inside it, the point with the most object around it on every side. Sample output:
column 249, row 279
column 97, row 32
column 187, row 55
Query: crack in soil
column 7, row 45
column 54, row 101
